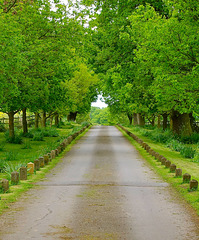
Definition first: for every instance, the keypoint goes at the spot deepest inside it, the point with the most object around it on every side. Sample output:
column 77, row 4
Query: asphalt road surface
column 102, row 190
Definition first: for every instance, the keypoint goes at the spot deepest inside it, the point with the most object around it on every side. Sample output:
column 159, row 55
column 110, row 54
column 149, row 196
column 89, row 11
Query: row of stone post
column 38, row 163
column 193, row 184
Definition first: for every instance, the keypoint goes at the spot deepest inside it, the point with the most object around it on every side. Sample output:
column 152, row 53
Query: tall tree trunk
column 135, row 119
column 56, row 119
column 165, row 119
column 11, row 124
column 130, row 117
column 72, row 116
column 43, row 120
column 153, row 121
column 180, row 124
column 159, row 121
column 36, row 120
column 141, row 120
column 24, row 121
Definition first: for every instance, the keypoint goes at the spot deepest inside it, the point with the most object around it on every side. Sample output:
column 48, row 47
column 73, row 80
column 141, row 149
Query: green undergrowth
column 16, row 191
column 185, row 164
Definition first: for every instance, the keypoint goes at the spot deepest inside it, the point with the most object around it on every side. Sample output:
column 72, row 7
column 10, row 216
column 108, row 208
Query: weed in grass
column 11, row 156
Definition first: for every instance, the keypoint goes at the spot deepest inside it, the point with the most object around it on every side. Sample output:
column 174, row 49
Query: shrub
column 38, row 136
column 187, row 152
column 50, row 132
column 17, row 139
column 175, row 145
column 194, row 138
column 160, row 136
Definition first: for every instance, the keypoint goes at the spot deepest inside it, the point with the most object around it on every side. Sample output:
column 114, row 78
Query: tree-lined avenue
column 102, row 189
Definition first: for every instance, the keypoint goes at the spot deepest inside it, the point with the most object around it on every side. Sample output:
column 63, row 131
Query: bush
column 38, row 136
column 194, row 138
column 175, row 145
column 50, row 132
column 17, row 139
column 187, row 152
column 160, row 136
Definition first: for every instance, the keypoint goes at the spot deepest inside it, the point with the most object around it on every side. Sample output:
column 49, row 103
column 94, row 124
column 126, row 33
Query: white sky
column 99, row 103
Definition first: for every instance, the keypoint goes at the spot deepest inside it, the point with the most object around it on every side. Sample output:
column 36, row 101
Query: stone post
column 53, row 154
column 14, row 178
column 167, row 164
column 37, row 164
column 178, row 172
column 23, row 173
column 30, row 167
column 56, row 152
column 46, row 159
column 41, row 161
column 59, row 149
column 193, row 184
column 4, row 185
column 49, row 157
column 186, row 178
column 172, row 167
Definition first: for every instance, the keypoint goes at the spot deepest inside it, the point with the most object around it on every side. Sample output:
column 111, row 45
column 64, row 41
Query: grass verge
column 183, row 188
column 16, row 191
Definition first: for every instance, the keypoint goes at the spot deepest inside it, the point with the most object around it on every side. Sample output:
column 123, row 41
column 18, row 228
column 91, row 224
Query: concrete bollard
column 172, row 168
column 4, row 184
column 30, row 167
column 178, row 172
column 46, row 159
column 56, row 152
column 14, row 178
column 193, row 185
column 70, row 139
column 41, row 161
column 49, row 157
column 163, row 160
column 167, row 164
column 59, row 149
column 159, row 158
column 23, row 173
column 37, row 164
column 53, row 154
column 186, row 178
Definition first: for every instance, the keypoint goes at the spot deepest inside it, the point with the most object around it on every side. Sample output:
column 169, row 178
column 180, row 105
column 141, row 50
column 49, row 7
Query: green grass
column 186, row 164
column 16, row 191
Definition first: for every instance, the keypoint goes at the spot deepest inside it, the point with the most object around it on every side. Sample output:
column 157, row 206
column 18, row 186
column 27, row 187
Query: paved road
column 102, row 190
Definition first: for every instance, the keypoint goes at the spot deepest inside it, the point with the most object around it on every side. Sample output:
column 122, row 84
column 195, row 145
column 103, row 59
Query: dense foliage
column 145, row 54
